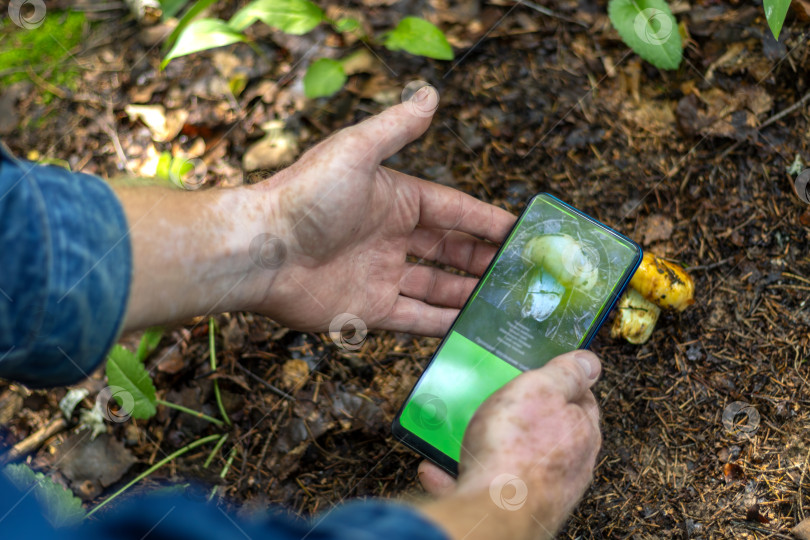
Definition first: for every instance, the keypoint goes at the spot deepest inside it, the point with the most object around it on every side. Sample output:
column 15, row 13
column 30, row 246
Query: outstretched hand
column 341, row 226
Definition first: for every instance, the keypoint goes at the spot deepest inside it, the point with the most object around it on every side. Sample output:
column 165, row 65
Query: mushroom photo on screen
column 559, row 262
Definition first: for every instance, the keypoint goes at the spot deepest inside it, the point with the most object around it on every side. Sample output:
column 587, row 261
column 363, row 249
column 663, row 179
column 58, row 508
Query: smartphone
column 546, row 292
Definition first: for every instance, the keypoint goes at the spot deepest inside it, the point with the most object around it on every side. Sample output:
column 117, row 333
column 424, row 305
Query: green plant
column 775, row 13
column 649, row 28
column 324, row 76
column 43, row 54
column 135, row 394
column 62, row 508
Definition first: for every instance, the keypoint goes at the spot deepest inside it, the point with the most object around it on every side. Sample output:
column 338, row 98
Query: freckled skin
column 347, row 225
column 543, row 428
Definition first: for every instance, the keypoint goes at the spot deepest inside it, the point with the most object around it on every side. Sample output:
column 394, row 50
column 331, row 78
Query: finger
column 573, row 373
column 456, row 249
column 416, row 317
column 591, row 408
column 441, row 207
column 434, row 480
column 384, row 134
column 435, row 286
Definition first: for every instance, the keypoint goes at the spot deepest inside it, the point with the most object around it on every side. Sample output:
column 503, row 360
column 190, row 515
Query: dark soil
column 679, row 161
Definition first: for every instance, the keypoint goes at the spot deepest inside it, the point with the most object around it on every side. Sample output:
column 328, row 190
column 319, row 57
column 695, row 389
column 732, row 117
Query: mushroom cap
column 565, row 259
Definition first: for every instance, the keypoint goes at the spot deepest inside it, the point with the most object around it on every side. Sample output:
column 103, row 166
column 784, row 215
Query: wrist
column 191, row 251
column 475, row 514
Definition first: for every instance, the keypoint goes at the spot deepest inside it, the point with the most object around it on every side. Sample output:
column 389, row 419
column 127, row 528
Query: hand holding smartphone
column 546, row 292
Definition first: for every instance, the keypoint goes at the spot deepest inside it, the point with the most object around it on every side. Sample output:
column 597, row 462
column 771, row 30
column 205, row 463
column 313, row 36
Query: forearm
column 190, row 251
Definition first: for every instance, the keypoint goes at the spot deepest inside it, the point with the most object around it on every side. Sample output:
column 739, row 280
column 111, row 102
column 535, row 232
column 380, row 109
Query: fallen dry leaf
column 294, row 373
column 656, row 227
column 732, row 472
column 162, row 125
column 274, row 150
column 716, row 113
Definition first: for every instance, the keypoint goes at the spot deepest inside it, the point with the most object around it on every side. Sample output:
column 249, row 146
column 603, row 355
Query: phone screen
column 547, row 292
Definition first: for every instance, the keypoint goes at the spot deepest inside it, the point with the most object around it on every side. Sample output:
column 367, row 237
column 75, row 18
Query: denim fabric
column 180, row 518
column 65, row 271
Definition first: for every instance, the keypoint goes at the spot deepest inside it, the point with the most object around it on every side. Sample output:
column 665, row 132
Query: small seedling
column 325, row 76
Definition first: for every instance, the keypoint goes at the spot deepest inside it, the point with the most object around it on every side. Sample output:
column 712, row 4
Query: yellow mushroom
column 635, row 318
column 656, row 285
column 666, row 284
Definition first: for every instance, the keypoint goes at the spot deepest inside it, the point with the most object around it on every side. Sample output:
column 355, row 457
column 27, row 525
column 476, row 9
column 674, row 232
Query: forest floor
column 691, row 163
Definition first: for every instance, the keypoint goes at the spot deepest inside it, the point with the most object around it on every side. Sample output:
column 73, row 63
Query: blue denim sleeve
column 181, row 518
column 66, row 267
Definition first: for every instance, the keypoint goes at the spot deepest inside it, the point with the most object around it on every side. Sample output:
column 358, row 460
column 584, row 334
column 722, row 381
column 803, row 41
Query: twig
column 778, row 116
column 712, row 265
column 279, row 392
column 35, row 440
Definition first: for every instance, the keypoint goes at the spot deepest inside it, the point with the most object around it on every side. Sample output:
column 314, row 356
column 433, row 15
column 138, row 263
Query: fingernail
column 426, row 99
column 589, row 362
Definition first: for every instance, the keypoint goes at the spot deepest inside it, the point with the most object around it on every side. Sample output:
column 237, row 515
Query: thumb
column 383, row 135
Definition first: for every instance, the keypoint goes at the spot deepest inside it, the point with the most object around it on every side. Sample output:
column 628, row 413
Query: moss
column 44, row 49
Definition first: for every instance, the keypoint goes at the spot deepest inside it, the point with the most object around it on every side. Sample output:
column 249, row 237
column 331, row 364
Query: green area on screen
column 549, row 285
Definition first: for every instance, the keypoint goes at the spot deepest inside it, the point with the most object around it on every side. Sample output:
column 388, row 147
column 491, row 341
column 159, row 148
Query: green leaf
column 125, row 371
column 347, row 24
column 201, row 35
column 323, row 78
column 184, row 21
column 62, row 507
column 418, row 36
column 150, row 338
column 171, row 8
column 649, row 28
column 163, row 165
column 291, row 16
column 775, row 13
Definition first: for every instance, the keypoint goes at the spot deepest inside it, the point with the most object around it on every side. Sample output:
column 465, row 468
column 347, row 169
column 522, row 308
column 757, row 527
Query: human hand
column 341, row 226
column 531, row 448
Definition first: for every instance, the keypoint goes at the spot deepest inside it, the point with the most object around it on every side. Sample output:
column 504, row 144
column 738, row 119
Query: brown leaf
column 294, row 373
column 172, row 362
column 716, row 113
column 753, row 514
column 732, row 472
column 802, row 9
column 656, row 227
column 92, row 464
